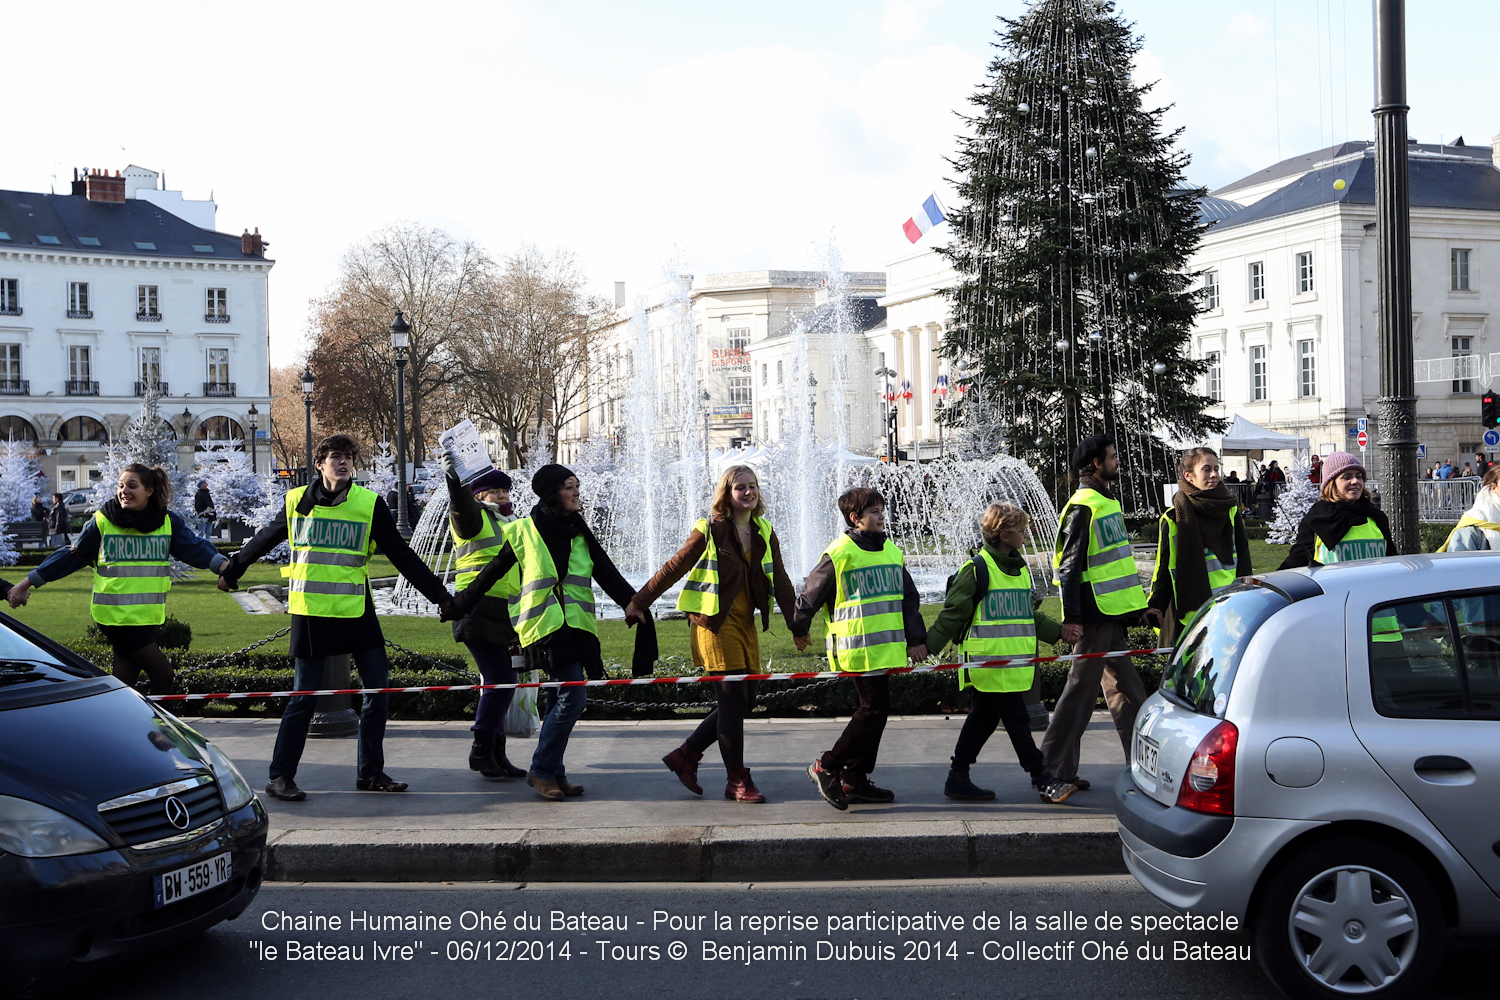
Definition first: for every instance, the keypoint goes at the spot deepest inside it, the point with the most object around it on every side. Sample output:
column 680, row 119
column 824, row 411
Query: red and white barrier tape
column 1006, row 661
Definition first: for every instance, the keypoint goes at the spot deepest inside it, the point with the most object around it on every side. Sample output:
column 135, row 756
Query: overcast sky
column 722, row 137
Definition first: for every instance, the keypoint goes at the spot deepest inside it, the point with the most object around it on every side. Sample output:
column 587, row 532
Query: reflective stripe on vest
column 1219, row 575
column 542, row 604
column 471, row 555
column 1363, row 541
column 331, row 546
column 700, row 594
column 1111, row 567
column 866, row 630
column 1004, row 624
column 132, row 574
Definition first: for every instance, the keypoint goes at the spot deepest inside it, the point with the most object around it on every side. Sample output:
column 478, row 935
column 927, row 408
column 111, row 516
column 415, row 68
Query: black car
column 121, row 829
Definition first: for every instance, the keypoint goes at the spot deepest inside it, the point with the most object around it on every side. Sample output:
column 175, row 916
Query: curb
column 773, row 852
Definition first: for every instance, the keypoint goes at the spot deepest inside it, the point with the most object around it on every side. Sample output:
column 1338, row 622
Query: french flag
column 929, row 215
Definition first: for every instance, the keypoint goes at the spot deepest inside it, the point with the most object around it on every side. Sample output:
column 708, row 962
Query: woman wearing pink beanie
column 1344, row 524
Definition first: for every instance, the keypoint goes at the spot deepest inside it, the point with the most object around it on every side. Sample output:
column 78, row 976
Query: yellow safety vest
column 1220, row 575
column 1363, row 541
column 471, row 555
column 700, row 594
column 328, row 575
column 132, row 575
column 1111, row 567
column 866, row 630
column 1004, row 624
column 542, row 603
column 1467, row 522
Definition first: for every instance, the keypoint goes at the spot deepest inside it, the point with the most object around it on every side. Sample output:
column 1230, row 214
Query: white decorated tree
column 273, row 500
column 236, row 490
column 20, row 479
column 149, row 440
column 1300, row 494
column 382, row 476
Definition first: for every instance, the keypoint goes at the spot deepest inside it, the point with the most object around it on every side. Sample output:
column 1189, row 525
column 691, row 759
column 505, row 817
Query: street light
column 890, row 415
column 812, row 407
column 307, row 401
column 707, row 414
column 400, row 340
column 253, row 414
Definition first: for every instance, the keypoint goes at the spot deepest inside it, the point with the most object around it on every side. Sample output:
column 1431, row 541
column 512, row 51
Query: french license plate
column 1146, row 750
column 196, row 878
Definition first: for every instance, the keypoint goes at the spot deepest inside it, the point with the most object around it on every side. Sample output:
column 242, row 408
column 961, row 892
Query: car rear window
column 1201, row 671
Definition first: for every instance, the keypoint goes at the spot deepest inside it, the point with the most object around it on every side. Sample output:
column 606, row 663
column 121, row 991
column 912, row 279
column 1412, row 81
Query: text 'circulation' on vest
column 1110, row 530
column 870, row 582
column 328, row 533
column 1005, row 604
column 137, row 548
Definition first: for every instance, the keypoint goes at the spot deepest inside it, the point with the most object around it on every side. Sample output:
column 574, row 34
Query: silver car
column 1322, row 764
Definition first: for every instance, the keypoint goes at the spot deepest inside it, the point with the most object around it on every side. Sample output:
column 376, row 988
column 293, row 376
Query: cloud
column 903, row 20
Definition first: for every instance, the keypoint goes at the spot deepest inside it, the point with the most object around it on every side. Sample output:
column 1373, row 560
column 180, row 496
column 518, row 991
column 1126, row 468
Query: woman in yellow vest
column 1344, row 524
column 733, row 565
column 1201, row 545
column 872, row 617
column 131, row 542
column 553, row 611
column 1001, row 620
column 477, row 514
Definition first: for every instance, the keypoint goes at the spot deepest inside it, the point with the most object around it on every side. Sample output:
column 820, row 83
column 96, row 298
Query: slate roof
column 1211, row 209
column 118, row 226
column 1455, row 181
column 864, row 315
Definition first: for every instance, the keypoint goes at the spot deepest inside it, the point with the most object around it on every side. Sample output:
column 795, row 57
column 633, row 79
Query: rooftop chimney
column 251, row 243
column 80, row 187
column 100, row 186
column 619, row 294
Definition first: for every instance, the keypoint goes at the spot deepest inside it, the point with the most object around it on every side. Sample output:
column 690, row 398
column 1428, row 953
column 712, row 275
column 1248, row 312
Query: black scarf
column 1331, row 520
column 149, row 519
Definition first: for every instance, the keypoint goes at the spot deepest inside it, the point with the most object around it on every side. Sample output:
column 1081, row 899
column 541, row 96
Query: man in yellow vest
column 1101, row 597
column 989, row 609
column 553, row 611
column 873, row 621
column 333, row 527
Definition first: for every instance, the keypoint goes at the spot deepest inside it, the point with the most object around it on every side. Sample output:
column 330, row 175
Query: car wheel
column 1347, row 918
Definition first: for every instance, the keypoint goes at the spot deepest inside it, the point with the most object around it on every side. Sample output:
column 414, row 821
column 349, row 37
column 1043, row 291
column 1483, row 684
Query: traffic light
column 1491, row 410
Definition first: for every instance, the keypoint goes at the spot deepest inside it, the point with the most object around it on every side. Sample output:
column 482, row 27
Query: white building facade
column 1291, row 330
column 108, row 291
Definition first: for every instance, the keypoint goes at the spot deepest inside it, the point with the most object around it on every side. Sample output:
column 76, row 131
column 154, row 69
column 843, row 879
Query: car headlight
column 32, row 830
column 237, row 791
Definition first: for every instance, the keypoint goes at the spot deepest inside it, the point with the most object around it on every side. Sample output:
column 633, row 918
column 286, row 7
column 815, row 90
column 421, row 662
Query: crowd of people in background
column 1452, row 470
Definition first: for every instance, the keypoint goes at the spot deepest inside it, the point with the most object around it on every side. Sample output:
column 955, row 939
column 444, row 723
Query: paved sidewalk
column 636, row 822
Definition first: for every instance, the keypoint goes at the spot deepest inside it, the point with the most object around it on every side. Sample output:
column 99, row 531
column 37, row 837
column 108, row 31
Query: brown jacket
column 732, row 575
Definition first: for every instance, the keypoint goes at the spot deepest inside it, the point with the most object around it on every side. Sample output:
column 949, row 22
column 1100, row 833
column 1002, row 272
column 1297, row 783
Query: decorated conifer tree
column 149, row 440
column 382, row 475
column 20, row 479
column 1300, row 494
column 235, row 489
column 1074, row 304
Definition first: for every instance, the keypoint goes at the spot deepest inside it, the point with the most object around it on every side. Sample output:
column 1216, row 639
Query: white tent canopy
column 1244, row 436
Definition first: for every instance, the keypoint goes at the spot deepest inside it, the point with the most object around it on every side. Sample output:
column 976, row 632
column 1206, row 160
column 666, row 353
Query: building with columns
column 1288, row 270
column 917, row 316
column 115, row 288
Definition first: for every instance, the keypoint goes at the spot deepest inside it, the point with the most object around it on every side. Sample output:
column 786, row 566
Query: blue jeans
column 552, row 741
column 374, row 671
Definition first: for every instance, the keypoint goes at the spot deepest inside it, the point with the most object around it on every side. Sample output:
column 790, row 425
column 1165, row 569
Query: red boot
column 684, row 763
column 741, row 787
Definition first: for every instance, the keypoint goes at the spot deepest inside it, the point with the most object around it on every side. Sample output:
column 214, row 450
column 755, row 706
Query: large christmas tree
column 1074, row 308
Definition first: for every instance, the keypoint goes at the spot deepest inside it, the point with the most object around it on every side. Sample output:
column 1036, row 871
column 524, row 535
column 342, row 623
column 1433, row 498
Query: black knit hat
column 547, row 480
column 492, row 480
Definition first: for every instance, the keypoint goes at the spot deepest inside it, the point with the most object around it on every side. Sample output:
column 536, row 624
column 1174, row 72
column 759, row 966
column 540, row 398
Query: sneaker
column 285, row 788
column 1078, row 783
column 379, row 782
column 828, row 784
column 959, row 786
column 859, row 788
column 1054, row 790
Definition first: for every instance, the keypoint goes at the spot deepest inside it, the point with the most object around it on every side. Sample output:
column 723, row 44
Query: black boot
column 482, row 757
column 507, row 769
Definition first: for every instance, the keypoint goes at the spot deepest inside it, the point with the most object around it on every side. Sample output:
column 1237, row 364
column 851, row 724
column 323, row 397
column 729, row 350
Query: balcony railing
column 219, row 389
column 80, row 314
column 10, row 310
column 80, row 387
column 154, row 317
column 15, row 386
column 216, row 317
column 159, row 386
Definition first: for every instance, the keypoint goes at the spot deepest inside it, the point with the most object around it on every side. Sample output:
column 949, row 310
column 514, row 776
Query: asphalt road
column 648, row 940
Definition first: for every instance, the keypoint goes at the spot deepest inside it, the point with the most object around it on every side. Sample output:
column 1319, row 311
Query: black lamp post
column 704, row 397
column 400, row 340
column 889, row 415
column 812, row 407
column 307, row 401
column 253, row 414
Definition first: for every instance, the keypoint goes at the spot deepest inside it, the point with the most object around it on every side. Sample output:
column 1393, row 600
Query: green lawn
column 61, row 610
